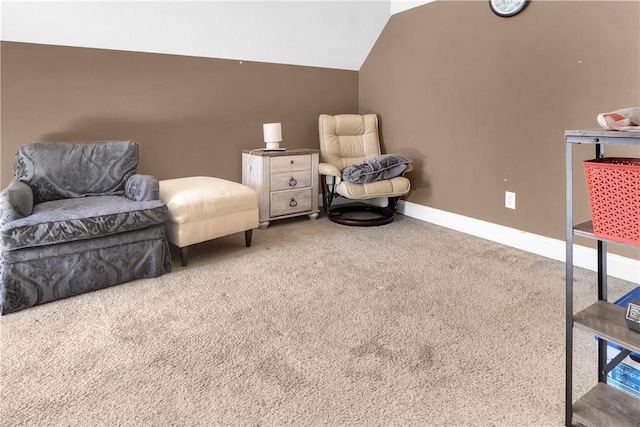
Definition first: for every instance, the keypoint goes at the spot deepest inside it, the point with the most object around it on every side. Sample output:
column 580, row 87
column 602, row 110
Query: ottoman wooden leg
column 184, row 255
column 247, row 237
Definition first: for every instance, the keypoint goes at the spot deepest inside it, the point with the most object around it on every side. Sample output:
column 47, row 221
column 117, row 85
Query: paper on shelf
column 623, row 119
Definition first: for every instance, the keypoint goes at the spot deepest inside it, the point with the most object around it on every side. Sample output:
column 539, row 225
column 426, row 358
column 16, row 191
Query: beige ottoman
column 202, row 208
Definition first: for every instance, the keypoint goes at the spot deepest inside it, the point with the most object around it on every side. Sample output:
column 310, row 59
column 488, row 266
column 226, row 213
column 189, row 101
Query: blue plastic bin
column 625, row 376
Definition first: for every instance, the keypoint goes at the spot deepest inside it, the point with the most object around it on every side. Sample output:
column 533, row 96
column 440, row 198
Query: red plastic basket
column 613, row 184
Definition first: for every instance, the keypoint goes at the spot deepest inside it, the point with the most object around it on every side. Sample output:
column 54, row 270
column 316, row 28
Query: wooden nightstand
column 286, row 182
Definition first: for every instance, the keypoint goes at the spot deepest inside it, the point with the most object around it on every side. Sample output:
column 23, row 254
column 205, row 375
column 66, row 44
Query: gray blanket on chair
column 377, row 168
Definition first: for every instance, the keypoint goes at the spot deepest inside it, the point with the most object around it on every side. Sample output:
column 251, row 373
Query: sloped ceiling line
column 328, row 34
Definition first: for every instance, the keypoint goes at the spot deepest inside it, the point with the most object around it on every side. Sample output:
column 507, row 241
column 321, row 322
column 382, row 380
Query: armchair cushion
column 393, row 187
column 16, row 201
column 68, row 220
column 61, row 170
column 376, row 168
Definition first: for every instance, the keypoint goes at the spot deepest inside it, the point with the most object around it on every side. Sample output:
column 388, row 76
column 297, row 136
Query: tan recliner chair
column 349, row 140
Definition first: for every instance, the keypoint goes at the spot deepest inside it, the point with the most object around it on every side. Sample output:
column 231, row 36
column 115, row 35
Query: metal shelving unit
column 603, row 405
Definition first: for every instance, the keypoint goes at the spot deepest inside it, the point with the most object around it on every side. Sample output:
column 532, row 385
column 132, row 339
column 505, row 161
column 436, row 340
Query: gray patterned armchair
column 76, row 218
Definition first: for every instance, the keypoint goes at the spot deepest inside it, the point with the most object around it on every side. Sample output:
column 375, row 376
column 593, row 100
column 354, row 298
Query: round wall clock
column 507, row 8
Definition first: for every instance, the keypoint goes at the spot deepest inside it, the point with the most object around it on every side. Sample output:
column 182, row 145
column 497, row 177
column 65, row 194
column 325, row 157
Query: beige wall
column 191, row 116
column 481, row 102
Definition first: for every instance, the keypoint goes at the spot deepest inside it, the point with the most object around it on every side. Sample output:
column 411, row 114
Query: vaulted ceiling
column 331, row 34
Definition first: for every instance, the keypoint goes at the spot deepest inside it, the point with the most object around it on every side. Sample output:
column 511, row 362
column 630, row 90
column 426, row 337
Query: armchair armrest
column 16, row 201
column 142, row 188
column 330, row 170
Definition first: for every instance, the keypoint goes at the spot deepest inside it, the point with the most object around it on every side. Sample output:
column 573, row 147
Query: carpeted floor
column 315, row 324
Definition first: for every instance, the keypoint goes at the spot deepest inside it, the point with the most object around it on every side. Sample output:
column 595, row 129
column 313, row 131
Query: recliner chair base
column 340, row 215
column 362, row 215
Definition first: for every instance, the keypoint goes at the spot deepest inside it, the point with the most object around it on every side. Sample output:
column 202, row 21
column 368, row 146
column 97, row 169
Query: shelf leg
column 602, row 296
column 568, row 398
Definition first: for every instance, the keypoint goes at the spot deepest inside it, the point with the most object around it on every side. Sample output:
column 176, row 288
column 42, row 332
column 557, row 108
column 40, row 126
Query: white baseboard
column 617, row 266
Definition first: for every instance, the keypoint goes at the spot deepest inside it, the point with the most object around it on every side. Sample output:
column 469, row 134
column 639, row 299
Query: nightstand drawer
column 282, row 164
column 290, row 201
column 289, row 181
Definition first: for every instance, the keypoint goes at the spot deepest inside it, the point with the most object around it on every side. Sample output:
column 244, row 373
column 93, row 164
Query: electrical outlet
column 509, row 200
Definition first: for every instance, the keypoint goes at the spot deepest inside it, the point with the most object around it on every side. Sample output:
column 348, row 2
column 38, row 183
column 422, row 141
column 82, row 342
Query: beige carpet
column 315, row 324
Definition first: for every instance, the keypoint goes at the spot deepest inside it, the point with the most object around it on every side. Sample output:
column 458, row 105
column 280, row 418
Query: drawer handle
column 290, row 162
column 293, row 182
column 293, row 203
